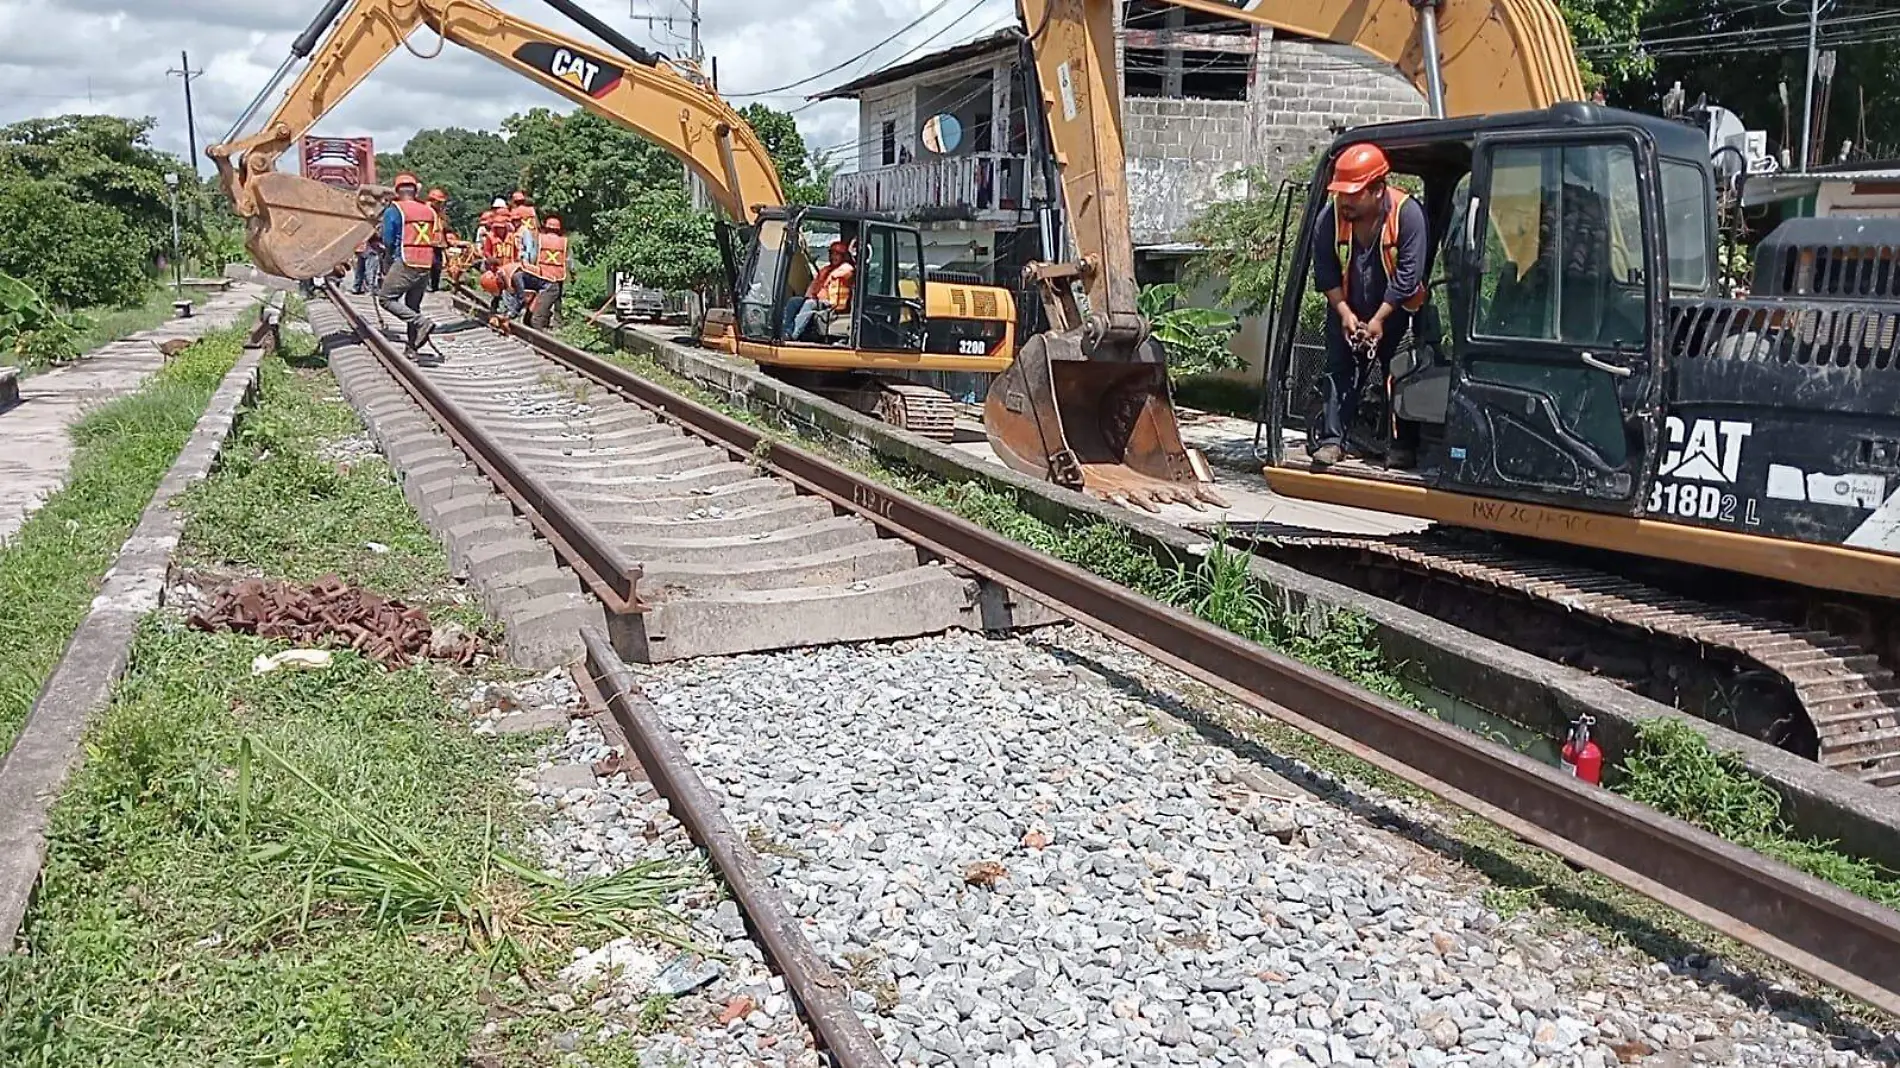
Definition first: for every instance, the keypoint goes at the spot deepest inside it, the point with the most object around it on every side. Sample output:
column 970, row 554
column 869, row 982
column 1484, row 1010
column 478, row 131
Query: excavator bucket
column 304, row 228
column 1106, row 428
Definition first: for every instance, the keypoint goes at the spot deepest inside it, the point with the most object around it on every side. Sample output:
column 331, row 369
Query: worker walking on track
column 1369, row 250
column 409, row 228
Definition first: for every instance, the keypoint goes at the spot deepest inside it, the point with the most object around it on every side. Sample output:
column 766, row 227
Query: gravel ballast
column 1013, row 863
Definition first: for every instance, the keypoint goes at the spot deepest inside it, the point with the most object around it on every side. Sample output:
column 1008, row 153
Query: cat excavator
column 1626, row 467
column 901, row 321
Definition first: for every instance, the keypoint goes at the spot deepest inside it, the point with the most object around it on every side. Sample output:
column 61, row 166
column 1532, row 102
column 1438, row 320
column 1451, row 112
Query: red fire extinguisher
column 1582, row 757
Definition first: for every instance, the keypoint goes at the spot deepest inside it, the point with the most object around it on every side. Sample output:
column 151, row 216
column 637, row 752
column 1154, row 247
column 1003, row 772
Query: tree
column 660, row 241
column 472, row 166
column 1243, row 233
column 581, row 166
column 75, row 254
column 805, row 175
column 1606, row 32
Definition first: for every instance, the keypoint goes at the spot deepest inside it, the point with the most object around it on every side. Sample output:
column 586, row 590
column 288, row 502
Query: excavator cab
column 892, row 326
column 1535, row 370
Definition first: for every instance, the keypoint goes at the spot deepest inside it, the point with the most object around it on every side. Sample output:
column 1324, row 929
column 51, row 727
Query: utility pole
column 1807, row 100
column 185, row 72
column 692, row 20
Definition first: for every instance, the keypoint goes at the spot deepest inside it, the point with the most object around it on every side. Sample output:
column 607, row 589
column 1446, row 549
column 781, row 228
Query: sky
column 111, row 57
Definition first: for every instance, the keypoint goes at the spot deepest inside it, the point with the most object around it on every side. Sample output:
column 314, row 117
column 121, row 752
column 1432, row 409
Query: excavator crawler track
column 918, row 409
column 1849, row 696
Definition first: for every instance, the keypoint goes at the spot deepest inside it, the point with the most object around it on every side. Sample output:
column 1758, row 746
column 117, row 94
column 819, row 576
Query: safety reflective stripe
column 551, row 263
column 440, row 238
column 1388, row 247
column 419, row 227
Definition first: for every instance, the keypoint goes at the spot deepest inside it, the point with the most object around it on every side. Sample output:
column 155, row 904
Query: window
column 879, row 251
column 1563, row 255
column 1686, row 211
column 1181, row 53
column 887, row 142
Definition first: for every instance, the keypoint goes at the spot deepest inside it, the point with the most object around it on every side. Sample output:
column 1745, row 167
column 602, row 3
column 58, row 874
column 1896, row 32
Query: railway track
column 1848, row 697
column 625, row 472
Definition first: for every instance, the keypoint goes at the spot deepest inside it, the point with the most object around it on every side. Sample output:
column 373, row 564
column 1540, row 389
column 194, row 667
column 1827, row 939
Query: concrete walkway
column 36, row 445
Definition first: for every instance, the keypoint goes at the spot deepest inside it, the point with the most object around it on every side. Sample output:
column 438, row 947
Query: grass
column 278, row 506
column 1218, row 394
column 303, row 867
column 1672, row 769
column 106, row 325
column 53, row 565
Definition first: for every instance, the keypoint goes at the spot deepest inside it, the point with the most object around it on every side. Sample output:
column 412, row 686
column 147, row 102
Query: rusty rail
column 600, row 564
column 1815, row 927
column 821, row 995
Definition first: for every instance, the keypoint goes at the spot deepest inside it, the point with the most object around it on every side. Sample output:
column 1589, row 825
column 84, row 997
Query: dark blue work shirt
column 1370, row 286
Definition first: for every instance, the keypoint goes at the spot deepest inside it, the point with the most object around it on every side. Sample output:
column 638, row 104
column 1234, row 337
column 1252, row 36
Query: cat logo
column 595, row 77
column 1712, row 451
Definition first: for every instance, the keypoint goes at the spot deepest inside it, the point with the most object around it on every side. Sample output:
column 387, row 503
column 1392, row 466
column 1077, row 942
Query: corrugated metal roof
column 994, row 42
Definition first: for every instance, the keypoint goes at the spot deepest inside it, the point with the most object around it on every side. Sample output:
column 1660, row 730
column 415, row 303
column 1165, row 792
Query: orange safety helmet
column 522, row 211
column 438, row 195
column 840, row 245
column 491, row 284
column 1358, row 167
column 552, row 223
column 405, row 178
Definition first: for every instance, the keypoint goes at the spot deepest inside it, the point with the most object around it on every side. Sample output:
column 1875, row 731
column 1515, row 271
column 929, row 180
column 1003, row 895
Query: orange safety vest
column 440, row 239
column 550, row 263
column 1388, row 246
column 419, row 227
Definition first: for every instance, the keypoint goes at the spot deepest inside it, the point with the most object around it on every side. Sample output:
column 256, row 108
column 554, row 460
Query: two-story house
column 1203, row 96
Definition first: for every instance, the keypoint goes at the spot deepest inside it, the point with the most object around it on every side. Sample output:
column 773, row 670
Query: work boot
column 1328, row 455
column 1400, row 458
column 423, row 330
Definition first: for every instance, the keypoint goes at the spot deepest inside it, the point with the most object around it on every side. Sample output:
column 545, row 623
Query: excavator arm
column 1087, row 403
column 300, row 228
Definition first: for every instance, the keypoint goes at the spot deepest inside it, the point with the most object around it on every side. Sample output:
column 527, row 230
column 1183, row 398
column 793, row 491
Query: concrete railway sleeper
column 1812, row 926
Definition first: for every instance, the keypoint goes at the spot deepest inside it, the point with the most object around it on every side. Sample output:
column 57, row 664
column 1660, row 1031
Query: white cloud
column 111, row 56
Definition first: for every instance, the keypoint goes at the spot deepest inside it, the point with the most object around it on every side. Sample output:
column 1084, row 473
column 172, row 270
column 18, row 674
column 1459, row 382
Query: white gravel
column 728, row 1010
column 1014, row 868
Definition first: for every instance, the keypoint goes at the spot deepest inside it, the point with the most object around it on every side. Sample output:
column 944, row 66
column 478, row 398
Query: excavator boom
column 1086, row 404
column 300, row 228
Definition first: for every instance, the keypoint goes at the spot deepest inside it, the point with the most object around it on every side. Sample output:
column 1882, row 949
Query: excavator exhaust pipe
column 1106, row 428
column 303, row 228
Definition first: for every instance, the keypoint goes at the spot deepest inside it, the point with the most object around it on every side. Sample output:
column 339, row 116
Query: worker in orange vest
column 409, row 229
column 1369, row 248
column 544, row 274
column 439, row 203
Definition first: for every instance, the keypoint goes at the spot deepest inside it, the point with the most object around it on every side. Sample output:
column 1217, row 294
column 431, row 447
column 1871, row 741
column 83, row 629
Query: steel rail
column 1818, row 928
column 821, row 995
column 599, row 563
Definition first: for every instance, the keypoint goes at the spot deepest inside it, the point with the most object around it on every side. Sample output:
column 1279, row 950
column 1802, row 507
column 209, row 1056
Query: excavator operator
column 1369, row 249
column 829, row 292
column 409, row 227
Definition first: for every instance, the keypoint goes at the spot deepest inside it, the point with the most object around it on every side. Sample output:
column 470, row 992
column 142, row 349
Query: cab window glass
column 1686, row 212
column 1563, row 253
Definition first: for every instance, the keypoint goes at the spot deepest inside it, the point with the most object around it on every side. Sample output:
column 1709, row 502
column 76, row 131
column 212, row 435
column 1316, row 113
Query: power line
column 900, row 31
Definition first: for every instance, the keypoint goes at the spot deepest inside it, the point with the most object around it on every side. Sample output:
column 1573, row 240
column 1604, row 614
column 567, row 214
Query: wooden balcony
column 979, row 187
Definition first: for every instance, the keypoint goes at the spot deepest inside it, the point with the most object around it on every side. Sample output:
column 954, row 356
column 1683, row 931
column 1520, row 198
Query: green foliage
column 805, row 175
column 75, row 254
column 581, row 166
column 1672, row 769
column 1197, row 340
column 1242, row 231
column 472, row 166
column 1600, row 23
column 660, row 241
column 51, row 567
column 89, row 211
column 32, row 332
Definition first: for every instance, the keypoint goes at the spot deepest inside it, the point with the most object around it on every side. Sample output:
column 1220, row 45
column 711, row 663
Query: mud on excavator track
column 1850, row 699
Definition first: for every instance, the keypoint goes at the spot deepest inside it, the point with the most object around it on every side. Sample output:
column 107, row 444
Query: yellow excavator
column 901, row 321
column 1630, row 469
